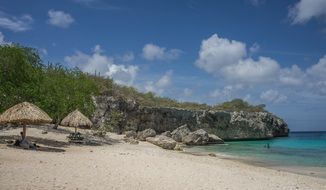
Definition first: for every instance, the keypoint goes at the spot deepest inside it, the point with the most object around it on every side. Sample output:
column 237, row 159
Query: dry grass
column 25, row 113
column 76, row 119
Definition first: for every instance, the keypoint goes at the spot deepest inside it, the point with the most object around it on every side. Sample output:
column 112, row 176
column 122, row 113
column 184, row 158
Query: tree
column 20, row 75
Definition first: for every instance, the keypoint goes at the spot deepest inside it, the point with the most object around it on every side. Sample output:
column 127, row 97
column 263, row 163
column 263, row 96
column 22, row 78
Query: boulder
column 180, row 132
column 146, row 133
column 167, row 134
column 130, row 134
column 162, row 141
column 131, row 140
column 199, row 137
column 213, row 139
column 179, row 147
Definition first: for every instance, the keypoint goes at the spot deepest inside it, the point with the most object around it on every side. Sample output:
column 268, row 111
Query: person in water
column 267, row 145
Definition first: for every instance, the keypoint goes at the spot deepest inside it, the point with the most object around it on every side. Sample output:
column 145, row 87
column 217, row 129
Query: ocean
column 301, row 152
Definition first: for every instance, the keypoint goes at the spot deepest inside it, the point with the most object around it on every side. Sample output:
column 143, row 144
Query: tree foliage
column 20, row 75
column 54, row 88
column 59, row 90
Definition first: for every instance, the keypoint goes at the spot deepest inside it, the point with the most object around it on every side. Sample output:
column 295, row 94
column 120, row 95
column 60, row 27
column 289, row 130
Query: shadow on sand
column 39, row 148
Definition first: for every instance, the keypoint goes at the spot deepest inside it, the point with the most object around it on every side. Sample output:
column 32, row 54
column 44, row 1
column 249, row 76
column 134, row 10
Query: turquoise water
column 299, row 149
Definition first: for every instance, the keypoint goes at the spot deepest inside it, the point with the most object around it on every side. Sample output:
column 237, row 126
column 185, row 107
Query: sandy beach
column 120, row 165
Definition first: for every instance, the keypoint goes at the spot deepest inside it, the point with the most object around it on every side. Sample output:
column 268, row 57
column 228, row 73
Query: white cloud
column 305, row 10
column 97, row 49
column 161, row 85
column 317, row 76
column 319, row 88
column 60, row 19
column 127, row 57
column 99, row 63
column 216, row 94
column 254, row 48
column 293, row 76
column 2, row 40
column 251, row 71
column 227, row 92
column 229, row 61
column 16, row 24
column 122, row 74
column 273, row 96
column 153, row 52
column 216, row 52
column 228, row 58
column 318, row 70
column 95, row 62
column 247, row 97
column 187, row 92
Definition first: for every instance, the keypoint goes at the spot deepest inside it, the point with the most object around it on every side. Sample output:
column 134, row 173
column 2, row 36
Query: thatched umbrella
column 76, row 119
column 26, row 114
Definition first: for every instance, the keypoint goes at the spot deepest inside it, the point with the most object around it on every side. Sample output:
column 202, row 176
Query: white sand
column 125, row 166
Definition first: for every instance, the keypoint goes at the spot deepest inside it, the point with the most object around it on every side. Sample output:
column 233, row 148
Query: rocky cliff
column 226, row 125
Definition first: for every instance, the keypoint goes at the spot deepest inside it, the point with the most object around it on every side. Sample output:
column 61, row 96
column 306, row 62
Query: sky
column 270, row 52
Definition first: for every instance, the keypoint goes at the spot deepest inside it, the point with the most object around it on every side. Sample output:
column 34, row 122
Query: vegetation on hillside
column 59, row 90
column 53, row 88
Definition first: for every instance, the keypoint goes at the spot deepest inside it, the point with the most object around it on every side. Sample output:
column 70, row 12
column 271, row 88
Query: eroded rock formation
column 226, row 125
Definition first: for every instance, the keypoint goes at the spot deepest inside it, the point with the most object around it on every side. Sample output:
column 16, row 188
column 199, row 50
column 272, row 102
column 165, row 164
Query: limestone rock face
column 167, row 133
column 146, row 133
column 180, row 132
column 199, row 137
column 226, row 125
column 213, row 139
column 162, row 141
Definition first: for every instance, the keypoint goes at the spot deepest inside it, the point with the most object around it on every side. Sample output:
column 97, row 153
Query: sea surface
column 301, row 152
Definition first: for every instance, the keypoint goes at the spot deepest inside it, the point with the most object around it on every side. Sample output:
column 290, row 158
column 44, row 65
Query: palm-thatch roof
column 76, row 119
column 25, row 113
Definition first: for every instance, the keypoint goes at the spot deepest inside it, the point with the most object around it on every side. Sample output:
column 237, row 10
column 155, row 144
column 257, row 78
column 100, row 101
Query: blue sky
column 271, row 52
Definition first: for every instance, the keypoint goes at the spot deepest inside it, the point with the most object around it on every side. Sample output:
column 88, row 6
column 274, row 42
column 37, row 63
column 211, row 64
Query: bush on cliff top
column 59, row 90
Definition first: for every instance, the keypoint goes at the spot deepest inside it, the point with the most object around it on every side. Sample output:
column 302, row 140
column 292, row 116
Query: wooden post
column 24, row 132
column 75, row 129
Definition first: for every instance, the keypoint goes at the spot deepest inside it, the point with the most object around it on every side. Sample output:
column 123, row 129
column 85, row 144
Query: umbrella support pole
column 24, row 132
column 75, row 129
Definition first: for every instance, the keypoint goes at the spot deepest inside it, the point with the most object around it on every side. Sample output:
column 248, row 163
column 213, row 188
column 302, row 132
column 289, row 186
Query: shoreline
column 319, row 172
column 126, row 166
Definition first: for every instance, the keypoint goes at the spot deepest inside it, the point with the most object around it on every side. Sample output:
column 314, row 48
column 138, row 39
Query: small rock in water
column 212, row 154
column 44, row 132
column 199, row 137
